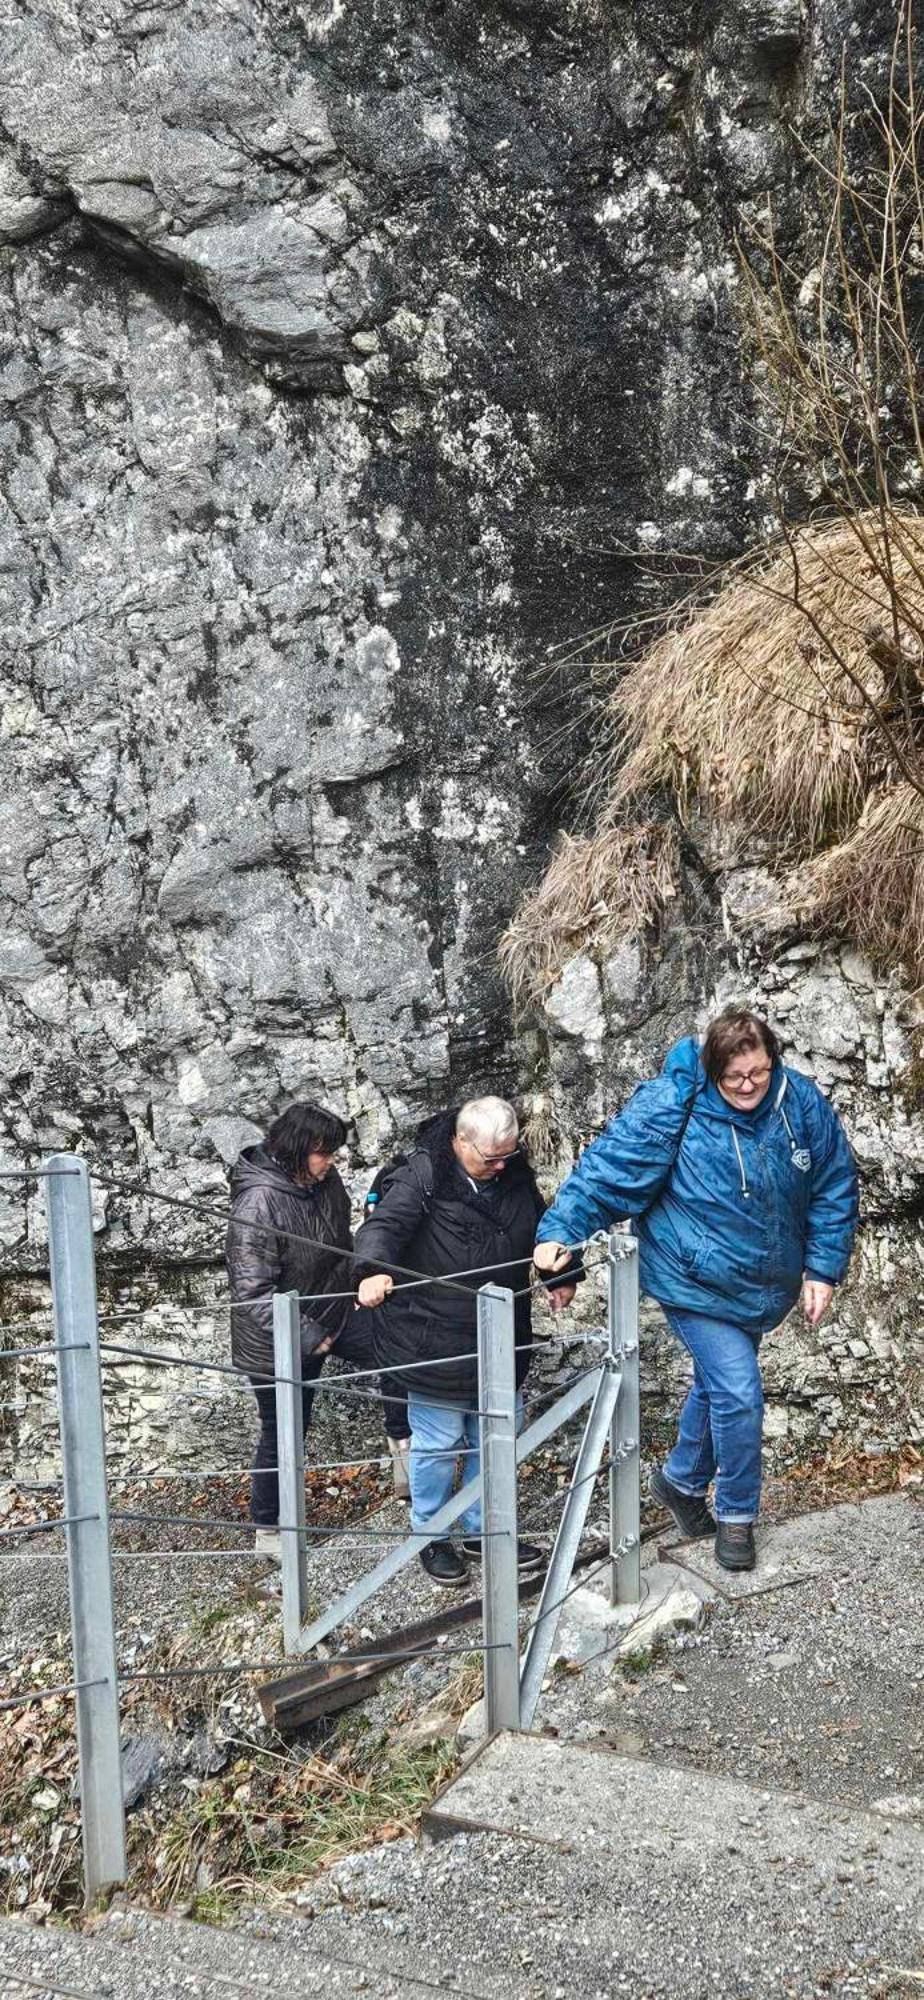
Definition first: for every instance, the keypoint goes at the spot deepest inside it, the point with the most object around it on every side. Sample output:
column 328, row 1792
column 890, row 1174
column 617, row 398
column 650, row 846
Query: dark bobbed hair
column 732, row 1032
column 304, row 1129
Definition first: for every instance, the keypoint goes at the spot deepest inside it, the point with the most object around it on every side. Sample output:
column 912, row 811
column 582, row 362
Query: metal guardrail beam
column 625, row 1430
column 570, row 1530
column 497, row 1395
column 529, row 1440
column 290, row 1435
column 89, row 1568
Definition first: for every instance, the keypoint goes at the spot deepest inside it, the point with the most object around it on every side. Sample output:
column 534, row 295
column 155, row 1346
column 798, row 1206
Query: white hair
column 489, row 1118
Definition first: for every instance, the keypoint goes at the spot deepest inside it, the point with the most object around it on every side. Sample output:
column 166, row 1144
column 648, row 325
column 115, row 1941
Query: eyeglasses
column 731, row 1082
column 494, row 1159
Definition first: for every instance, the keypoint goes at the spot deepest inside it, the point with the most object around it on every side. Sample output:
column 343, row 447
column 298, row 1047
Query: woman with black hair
column 290, row 1222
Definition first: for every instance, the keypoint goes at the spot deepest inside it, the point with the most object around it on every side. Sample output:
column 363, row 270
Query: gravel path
column 809, row 1674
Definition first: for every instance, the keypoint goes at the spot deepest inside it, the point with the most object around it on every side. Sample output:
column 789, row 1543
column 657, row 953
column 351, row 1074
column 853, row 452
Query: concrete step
column 805, row 1673
column 132, row 1955
column 672, row 1882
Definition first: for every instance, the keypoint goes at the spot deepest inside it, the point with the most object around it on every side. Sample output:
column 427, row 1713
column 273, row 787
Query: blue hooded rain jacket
column 733, row 1207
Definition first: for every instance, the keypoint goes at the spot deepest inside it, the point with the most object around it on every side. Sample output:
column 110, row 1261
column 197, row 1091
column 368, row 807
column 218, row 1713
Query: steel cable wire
column 247, row 1527
column 48, row 1694
column 194, row 1306
column 585, row 1577
column 161, row 1359
column 43, row 1527
column 328, row 1659
column 42, row 1348
column 383, row 1461
column 573, row 1485
column 319, row 1243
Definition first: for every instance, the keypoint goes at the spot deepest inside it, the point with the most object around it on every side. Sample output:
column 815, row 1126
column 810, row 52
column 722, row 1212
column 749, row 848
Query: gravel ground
column 808, row 1674
column 618, row 1877
column 659, row 1883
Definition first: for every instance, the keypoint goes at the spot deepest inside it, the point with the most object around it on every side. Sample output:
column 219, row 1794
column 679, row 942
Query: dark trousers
column 354, row 1346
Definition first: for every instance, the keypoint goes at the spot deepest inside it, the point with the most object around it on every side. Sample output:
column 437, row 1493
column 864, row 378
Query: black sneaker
column 734, row 1545
column 442, row 1561
column 689, row 1509
column 529, row 1557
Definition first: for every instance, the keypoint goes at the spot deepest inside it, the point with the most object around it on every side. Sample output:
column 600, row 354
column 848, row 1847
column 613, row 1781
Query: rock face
column 352, row 349
column 346, row 348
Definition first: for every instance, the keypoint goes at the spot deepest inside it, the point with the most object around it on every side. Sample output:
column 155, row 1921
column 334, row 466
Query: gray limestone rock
column 346, row 353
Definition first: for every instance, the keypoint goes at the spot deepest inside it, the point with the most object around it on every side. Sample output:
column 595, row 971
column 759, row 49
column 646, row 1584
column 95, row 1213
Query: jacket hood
column 255, row 1168
column 684, row 1065
column 435, row 1136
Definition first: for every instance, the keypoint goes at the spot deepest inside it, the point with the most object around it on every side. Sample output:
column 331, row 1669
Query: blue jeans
column 439, row 1433
column 721, row 1423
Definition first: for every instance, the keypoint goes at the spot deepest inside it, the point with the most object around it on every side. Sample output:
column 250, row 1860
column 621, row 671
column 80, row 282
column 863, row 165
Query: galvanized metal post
column 557, row 1585
column 625, row 1429
column 540, row 1430
column 287, row 1352
column 497, row 1401
column 89, row 1567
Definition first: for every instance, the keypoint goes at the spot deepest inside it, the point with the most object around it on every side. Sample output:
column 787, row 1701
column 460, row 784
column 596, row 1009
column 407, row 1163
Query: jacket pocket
column 705, row 1257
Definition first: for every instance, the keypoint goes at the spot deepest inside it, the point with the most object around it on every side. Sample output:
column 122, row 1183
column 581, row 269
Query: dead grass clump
column 792, row 705
column 871, row 886
column 602, row 888
column 747, row 711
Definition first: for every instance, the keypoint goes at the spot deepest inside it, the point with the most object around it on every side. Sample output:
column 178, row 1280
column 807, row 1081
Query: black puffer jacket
column 454, row 1229
column 263, row 1259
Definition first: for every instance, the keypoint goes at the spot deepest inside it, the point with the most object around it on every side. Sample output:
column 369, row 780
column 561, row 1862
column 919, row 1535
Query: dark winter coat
column 269, row 1257
column 734, row 1207
column 452, row 1228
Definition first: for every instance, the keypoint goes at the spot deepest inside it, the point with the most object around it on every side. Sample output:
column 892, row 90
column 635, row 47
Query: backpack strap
column 422, row 1166
column 687, row 1115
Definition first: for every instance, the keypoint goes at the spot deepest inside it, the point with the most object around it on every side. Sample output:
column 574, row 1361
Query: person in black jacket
column 287, row 1200
column 466, row 1200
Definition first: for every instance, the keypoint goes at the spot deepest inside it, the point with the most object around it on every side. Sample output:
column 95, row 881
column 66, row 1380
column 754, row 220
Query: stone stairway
column 741, row 1813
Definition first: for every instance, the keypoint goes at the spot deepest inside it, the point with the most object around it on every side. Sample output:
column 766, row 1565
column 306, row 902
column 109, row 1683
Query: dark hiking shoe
column 734, row 1545
column 443, row 1563
column 688, row 1509
column 529, row 1557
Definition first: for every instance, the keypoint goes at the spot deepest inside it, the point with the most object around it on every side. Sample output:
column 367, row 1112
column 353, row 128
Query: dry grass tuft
column 790, row 704
column 599, row 889
column 749, row 712
column 871, row 886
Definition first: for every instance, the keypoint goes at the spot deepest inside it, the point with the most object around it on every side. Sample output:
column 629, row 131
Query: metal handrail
column 610, row 1386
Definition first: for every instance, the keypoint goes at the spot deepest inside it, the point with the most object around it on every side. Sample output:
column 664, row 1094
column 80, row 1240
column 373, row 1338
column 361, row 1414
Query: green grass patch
column 270, row 1822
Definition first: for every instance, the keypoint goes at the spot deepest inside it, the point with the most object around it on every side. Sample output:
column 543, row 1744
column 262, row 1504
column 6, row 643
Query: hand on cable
column 551, row 1257
column 373, row 1290
column 561, row 1297
column 816, row 1298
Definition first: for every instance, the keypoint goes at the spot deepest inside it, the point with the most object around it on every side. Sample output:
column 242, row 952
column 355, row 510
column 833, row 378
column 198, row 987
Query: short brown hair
column 730, row 1034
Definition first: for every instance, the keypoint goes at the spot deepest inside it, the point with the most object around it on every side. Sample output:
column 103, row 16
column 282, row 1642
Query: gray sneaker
column 688, row 1509
column 268, row 1542
column 400, row 1451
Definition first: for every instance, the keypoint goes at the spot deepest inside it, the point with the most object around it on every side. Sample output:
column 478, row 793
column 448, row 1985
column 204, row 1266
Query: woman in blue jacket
column 745, row 1193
